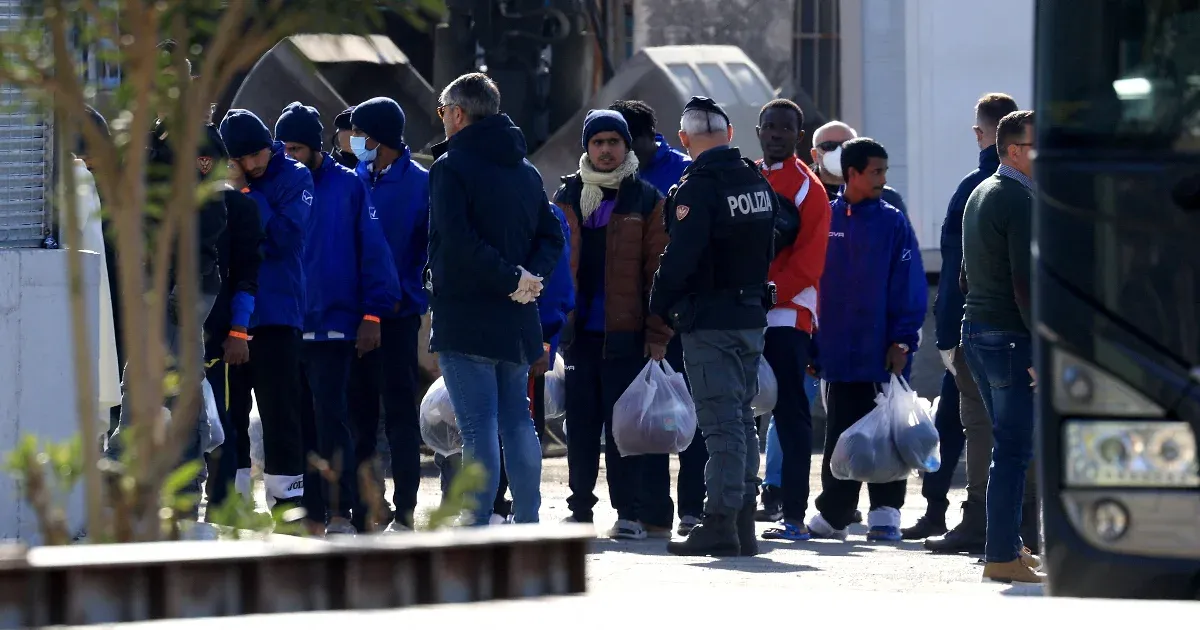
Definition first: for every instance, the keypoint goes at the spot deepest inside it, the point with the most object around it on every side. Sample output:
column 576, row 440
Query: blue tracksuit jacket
column 288, row 189
column 347, row 261
column 666, row 168
column 558, row 292
column 401, row 198
column 873, row 291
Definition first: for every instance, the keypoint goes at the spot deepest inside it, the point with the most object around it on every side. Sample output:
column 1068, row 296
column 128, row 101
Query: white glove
column 528, row 288
column 948, row 360
column 522, row 297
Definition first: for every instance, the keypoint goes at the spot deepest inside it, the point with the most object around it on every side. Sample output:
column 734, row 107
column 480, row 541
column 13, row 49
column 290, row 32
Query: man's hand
column 656, row 351
column 1032, row 377
column 897, row 358
column 237, row 350
column 369, row 336
column 542, row 365
column 948, row 360
column 529, row 283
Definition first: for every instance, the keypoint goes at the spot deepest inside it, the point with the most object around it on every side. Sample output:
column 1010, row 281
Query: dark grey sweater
column 997, row 234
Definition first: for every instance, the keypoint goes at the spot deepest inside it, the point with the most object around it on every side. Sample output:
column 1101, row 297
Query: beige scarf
column 594, row 180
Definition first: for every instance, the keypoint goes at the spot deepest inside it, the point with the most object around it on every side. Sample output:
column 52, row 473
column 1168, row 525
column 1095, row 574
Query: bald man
column 826, row 157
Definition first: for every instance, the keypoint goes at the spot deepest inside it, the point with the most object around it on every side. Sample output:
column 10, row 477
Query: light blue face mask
column 358, row 144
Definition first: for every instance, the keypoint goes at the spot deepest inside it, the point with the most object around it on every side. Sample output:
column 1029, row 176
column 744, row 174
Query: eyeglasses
column 442, row 109
column 828, row 145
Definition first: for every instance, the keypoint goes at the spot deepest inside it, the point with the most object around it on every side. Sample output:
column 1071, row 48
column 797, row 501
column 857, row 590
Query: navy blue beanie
column 382, row 120
column 601, row 120
column 342, row 122
column 300, row 123
column 244, row 133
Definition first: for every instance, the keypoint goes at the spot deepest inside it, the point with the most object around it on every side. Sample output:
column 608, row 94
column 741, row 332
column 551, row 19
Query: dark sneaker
column 686, row 523
column 966, row 537
column 857, row 518
column 925, row 527
column 788, row 531
column 772, row 506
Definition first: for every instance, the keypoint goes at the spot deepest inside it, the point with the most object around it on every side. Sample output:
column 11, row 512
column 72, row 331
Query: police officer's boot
column 716, row 535
column 747, row 539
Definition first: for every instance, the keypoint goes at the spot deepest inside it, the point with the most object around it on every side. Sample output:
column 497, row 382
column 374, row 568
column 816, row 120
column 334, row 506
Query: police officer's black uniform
column 712, row 286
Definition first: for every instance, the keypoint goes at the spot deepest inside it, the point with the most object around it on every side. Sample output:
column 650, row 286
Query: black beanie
column 382, row 120
column 244, row 133
column 300, row 123
column 342, row 122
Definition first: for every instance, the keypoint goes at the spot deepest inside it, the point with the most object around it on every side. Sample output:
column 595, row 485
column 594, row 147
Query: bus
column 1116, row 251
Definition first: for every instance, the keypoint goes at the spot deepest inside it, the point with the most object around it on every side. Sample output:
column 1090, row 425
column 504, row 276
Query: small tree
column 153, row 224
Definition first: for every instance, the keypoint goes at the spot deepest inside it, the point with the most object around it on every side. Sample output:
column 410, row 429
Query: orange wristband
column 370, row 318
column 239, row 335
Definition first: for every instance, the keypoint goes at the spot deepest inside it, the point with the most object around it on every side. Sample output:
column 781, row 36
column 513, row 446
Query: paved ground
column 632, row 566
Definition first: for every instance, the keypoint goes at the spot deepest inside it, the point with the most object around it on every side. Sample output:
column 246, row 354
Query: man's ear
column 683, row 138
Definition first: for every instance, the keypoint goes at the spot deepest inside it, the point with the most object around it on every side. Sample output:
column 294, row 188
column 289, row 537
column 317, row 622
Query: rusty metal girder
column 92, row 584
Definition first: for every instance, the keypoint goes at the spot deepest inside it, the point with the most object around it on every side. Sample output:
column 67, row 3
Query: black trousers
column 846, row 403
column 391, row 372
column 786, row 351
column 326, row 429
column 935, row 486
column 640, row 486
column 689, row 486
column 275, row 376
column 231, row 387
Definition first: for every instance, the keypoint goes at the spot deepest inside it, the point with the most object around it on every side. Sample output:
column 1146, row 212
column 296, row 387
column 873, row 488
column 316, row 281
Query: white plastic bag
column 556, row 390
column 768, row 390
column 914, row 432
column 216, row 433
column 866, row 451
column 439, row 428
column 656, row 414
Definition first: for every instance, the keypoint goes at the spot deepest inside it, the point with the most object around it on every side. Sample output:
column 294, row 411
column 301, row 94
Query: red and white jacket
column 797, row 270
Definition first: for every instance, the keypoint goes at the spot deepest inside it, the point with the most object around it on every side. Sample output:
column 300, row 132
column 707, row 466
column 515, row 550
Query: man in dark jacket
column 279, row 307
column 617, row 238
column 226, row 349
column 662, row 165
column 961, row 409
column 872, row 303
column 399, row 189
column 492, row 238
column 351, row 285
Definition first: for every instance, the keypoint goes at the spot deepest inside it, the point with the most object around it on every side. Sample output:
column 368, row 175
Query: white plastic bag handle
column 666, row 367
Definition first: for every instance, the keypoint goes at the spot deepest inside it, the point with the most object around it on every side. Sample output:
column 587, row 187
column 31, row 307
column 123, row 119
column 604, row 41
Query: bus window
column 1125, row 75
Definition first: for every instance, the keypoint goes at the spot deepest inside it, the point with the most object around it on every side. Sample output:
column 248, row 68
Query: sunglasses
column 442, row 109
column 828, row 145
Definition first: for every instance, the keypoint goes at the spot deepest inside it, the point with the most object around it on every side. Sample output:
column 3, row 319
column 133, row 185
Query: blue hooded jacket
column 401, row 198
column 666, row 168
column 288, row 188
column 948, row 306
column 558, row 293
column 347, row 261
column 873, row 292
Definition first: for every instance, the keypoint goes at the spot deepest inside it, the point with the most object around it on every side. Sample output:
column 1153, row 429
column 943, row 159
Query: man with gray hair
column 711, row 286
column 826, row 158
column 492, row 239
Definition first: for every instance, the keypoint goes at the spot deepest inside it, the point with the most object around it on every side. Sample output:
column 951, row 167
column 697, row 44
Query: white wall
column 955, row 51
column 37, row 382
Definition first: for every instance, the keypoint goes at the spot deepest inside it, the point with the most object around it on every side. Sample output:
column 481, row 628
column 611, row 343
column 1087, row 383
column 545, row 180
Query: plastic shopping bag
column 914, row 431
column 867, row 451
column 556, row 390
column 768, row 390
column 439, row 428
column 216, row 433
column 656, row 414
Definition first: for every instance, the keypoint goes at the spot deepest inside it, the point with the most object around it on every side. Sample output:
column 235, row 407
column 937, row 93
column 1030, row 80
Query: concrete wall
column 37, row 382
column 912, row 71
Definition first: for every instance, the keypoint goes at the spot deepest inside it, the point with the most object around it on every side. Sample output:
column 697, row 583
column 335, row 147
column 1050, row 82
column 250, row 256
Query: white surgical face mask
column 358, row 144
column 831, row 162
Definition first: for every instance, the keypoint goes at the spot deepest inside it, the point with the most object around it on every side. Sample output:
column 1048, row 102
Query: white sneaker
column 396, row 527
column 496, row 519
column 627, row 530
column 339, row 527
column 820, row 528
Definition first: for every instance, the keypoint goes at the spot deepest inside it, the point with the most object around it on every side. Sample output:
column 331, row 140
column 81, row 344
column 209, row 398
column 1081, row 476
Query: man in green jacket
column 996, row 328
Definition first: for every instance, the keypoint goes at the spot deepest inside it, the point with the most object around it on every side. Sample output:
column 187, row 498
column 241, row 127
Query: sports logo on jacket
column 681, row 212
column 306, row 197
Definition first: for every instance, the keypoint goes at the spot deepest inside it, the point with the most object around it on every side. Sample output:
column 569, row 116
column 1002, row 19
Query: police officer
column 712, row 286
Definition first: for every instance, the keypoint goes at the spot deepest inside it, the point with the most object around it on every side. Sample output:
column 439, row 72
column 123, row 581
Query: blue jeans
column 491, row 399
column 1000, row 362
column 774, row 475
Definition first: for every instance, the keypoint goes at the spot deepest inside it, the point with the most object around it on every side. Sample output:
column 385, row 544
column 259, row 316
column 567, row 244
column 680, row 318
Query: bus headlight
column 1101, row 453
